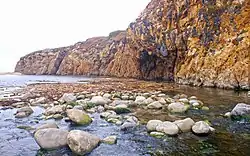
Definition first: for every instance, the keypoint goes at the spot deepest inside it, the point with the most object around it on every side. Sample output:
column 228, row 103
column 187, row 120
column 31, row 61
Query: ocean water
column 22, row 80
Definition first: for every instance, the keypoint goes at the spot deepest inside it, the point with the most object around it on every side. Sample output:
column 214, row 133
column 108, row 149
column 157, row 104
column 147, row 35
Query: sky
column 30, row 25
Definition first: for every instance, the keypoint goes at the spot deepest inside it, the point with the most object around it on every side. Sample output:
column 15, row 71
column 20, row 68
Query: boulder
column 168, row 128
column 23, row 112
column 99, row 100
column 185, row 125
column 68, row 97
column 155, row 105
column 46, row 126
column 81, row 142
column 152, row 124
column 200, row 128
column 41, row 100
column 241, row 110
column 51, row 138
column 177, row 107
column 78, row 117
column 54, row 110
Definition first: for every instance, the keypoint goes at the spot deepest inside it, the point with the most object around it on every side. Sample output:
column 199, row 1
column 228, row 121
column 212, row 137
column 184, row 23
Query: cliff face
column 197, row 42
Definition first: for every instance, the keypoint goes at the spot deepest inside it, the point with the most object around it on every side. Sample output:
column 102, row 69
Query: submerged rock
column 51, row 138
column 81, row 142
column 78, row 117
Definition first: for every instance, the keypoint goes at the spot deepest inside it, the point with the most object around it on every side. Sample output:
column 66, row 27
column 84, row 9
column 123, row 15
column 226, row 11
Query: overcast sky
column 30, row 25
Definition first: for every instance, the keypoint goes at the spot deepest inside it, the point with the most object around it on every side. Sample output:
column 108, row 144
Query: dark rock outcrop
column 196, row 42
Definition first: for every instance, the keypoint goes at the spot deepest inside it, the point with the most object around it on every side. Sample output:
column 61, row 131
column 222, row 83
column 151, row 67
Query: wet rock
column 79, row 107
column 19, row 104
column 140, row 100
column 130, row 123
column 157, row 134
column 51, row 138
column 205, row 108
column 107, row 96
column 152, row 124
column 68, row 97
column 37, row 101
column 122, row 108
column 162, row 95
column 241, row 110
column 47, row 125
column 54, row 110
column 98, row 100
column 200, row 128
column 177, row 107
column 107, row 114
column 196, row 103
column 162, row 101
column 57, row 116
column 78, row 117
column 81, row 142
column 125, row 97
column 110, row 140
column 23, row 112
column 184, row 100
column 185, row 125
column 148, row 101
column 80, row 97
column 100, row 109
column 228, row 114
column 168, row 128
column 155, row 105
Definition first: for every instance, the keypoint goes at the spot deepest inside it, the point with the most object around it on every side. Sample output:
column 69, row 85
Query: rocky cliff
column 196, row 42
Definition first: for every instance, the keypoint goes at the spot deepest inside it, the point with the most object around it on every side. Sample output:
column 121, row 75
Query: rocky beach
column 175, row 82
column 110, row 116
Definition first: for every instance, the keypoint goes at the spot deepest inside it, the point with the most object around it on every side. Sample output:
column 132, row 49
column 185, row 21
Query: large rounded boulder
column 81, row 142
column 78, row 117
column 51, row 138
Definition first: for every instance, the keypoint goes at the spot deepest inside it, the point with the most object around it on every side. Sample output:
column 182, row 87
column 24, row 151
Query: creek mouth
column 230, row 138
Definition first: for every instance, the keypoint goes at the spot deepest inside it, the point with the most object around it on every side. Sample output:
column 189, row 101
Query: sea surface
column 22, row 80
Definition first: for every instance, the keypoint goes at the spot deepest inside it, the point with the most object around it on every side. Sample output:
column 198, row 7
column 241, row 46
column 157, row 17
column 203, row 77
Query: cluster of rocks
column 158, row 128
column 49, row 137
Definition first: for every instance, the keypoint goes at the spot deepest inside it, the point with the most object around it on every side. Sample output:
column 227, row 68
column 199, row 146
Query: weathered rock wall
column 196, row 42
